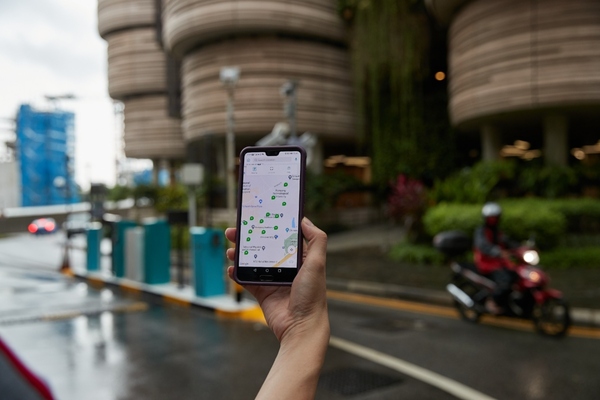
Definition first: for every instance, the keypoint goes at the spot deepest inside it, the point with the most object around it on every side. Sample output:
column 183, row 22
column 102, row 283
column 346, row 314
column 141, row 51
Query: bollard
column 134, row 253
column 208, row 261
column 157, row 251
column 118, row 252
column 94, row 238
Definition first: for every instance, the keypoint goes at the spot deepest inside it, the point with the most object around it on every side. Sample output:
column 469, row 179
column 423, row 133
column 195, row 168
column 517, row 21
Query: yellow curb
column 253, row 314
column 175, row 300
column 129, row 288
column 448, row 312
column 95, row 282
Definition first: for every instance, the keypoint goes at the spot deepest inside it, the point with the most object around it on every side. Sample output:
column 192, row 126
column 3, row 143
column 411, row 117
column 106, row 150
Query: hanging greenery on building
column 404, row 130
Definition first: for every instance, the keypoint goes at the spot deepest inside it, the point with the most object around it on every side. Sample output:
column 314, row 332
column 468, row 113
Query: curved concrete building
column 189, row 23
column 524, row 69
column 271, row 41
column 324, row 93
column 137, row 75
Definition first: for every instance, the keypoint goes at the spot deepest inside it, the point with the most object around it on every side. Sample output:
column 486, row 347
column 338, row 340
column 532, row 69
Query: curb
column 584, row 317
column 223, row 306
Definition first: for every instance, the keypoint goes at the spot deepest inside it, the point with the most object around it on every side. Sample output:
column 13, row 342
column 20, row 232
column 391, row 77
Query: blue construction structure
column 45, row 151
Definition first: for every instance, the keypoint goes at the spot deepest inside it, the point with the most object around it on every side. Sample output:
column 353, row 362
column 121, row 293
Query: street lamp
column 229, row 76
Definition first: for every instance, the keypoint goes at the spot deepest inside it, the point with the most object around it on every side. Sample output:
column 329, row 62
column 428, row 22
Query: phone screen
column 269, row 216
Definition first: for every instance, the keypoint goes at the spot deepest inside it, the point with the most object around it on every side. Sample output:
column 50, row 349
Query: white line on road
column 441, row 382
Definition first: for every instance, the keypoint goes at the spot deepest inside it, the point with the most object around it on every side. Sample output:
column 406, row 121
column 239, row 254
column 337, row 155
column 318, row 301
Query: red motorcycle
column 530, row 297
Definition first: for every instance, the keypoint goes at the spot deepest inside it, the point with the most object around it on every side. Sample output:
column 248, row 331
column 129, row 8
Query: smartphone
column 270, row 209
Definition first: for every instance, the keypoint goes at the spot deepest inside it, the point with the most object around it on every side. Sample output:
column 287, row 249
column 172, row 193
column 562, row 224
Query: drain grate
column 352, row 381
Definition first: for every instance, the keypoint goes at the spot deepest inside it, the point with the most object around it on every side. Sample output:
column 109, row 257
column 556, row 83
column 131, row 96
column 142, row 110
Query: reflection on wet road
column 100, row 344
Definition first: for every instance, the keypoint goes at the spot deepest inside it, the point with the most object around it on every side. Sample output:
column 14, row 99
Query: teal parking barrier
column 157, row 251
column 118, row 251
column 94, row 238
column 208, row 261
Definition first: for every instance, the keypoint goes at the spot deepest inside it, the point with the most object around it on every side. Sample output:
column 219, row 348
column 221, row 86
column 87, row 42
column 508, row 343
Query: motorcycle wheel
column 552, row 318
column 466, row 313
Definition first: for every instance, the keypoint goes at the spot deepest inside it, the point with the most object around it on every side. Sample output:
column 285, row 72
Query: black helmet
column 491, row 210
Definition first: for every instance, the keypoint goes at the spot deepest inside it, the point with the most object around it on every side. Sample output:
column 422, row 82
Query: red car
column 42, row 226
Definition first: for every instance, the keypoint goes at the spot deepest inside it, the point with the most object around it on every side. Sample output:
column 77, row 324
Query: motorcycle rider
column 492, row 256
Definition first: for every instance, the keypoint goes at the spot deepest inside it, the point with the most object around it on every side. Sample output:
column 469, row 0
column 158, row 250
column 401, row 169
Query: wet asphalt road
column 101, row 344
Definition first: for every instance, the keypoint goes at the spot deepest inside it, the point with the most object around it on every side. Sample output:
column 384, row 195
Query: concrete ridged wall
column 324, row 94
column 271, row 41
column 519, row 55
column 114, row 15
column 149, row 131
column 188, row 23
column 137, row 76
column 136, row 63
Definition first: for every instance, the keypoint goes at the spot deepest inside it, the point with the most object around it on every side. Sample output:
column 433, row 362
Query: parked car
column 77, row 223
column 42, row 226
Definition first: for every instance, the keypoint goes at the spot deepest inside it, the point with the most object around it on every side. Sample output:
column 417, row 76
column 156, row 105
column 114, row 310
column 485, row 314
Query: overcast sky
column 52, row 47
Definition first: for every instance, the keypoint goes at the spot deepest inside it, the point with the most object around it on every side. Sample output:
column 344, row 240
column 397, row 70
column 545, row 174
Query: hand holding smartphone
column 270, row 210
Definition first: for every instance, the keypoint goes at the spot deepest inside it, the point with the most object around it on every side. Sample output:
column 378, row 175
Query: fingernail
column 308, row 221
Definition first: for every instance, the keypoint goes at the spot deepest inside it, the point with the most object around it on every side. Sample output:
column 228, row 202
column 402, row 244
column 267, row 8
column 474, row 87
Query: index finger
column 230, row 234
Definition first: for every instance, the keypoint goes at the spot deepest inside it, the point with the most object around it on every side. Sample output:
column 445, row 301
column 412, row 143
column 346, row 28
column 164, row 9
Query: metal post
column 230, row 149
column 65, row 267
column 192, row 218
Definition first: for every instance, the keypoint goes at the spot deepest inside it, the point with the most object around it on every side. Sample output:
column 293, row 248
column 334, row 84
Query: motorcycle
column 530, row 297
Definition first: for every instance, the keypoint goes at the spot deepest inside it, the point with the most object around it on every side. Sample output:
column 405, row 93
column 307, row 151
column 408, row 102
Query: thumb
column 317, row 243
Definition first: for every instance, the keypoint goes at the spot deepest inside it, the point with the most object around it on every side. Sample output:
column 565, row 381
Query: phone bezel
column 264, row 276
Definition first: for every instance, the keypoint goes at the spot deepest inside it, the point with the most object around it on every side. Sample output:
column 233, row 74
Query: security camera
column 288, row 88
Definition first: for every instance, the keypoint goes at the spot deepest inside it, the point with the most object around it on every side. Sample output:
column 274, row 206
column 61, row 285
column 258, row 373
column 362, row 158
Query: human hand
column 301, row 309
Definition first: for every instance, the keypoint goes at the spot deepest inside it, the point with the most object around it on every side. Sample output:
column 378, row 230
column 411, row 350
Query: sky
column 52, row 47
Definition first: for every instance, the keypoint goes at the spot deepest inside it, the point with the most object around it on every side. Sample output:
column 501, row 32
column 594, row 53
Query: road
column 102, row 344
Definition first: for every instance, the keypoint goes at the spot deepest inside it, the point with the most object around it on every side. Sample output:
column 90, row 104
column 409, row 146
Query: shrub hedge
column 416, row 254
column 520, row 221
column 572, row 257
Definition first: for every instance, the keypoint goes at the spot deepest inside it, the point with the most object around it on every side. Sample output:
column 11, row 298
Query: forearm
column 295, row 372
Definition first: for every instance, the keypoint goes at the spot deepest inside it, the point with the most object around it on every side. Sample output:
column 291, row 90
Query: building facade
column 524, row 75
column 165, row 57
column 45, row 154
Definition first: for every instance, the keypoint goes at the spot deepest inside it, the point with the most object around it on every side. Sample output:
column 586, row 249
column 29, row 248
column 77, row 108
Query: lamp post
column 229, row 76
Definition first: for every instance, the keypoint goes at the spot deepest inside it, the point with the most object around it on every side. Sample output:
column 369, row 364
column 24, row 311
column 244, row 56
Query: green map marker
column 275, row 227
column 263, row 232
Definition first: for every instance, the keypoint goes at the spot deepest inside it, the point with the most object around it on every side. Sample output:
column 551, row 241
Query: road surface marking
column 434, row 379
column 284, row 259
column 449, row 312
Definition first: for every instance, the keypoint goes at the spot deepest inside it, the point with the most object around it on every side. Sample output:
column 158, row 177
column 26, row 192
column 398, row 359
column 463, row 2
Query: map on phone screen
column 269, row 210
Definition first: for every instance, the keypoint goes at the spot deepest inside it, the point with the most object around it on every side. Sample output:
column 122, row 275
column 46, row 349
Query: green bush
column 520, row 221
column 473, row 185
column 550, row 181
column 416, row 254
column 323, row 190
column 565, row 258
column 448, row 216
column 582, row 214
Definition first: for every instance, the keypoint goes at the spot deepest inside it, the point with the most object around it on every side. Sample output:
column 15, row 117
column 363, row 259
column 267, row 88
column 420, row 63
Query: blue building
column 45, row 152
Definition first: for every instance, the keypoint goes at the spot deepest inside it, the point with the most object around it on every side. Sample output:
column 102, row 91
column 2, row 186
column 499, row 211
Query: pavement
column 382, row 236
